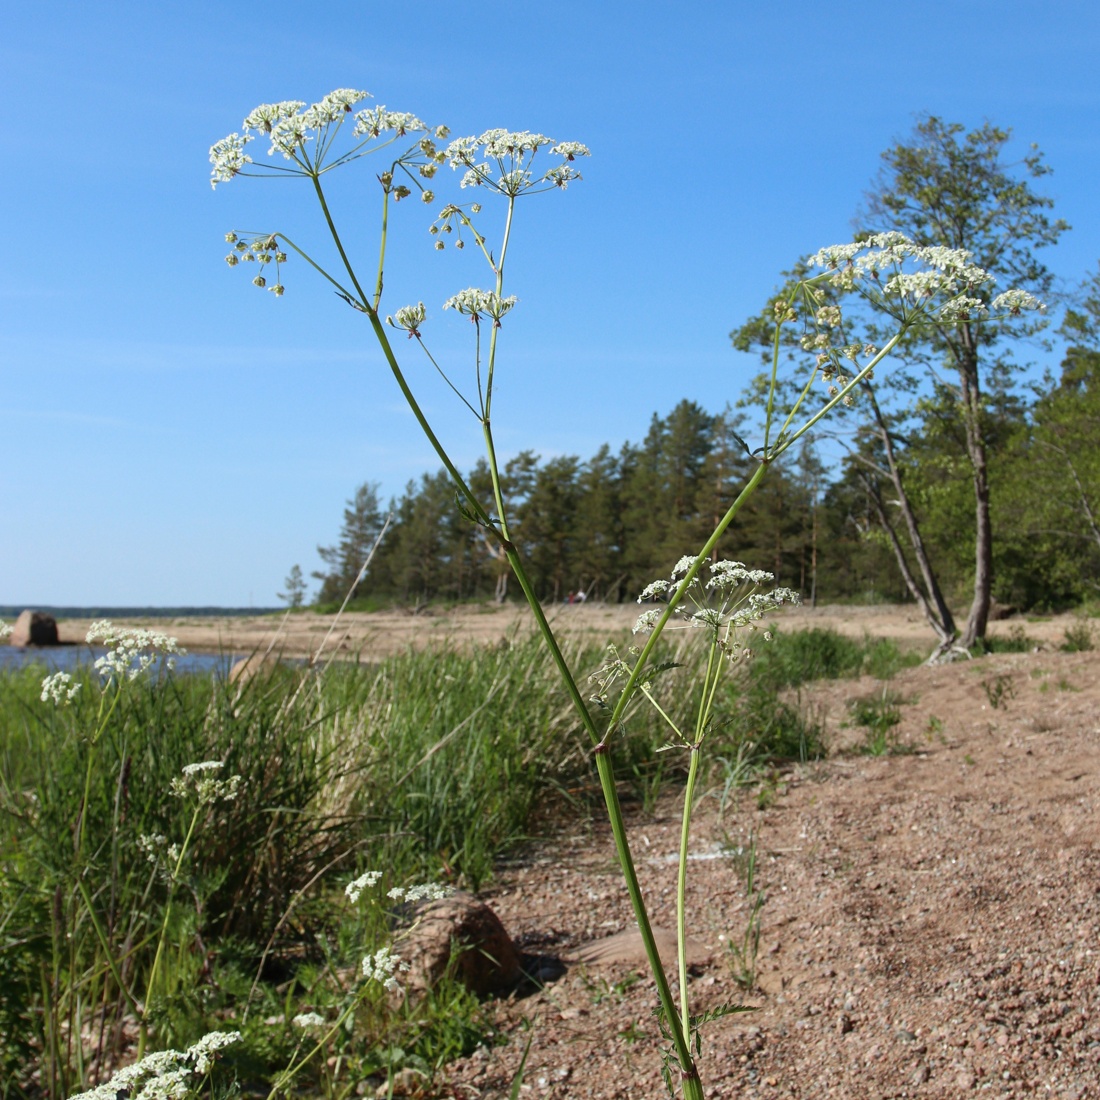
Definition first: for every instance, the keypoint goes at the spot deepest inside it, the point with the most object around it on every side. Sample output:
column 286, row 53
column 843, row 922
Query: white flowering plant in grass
column 377, row 978
column 502, row 167
column 166, row 1074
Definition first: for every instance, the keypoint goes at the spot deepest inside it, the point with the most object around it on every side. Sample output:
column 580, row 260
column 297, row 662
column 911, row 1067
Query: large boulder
column 34, row 628
column 462, row 936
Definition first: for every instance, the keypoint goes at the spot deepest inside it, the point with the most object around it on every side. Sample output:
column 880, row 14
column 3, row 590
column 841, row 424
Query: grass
column 429, row 765
column 879, row 715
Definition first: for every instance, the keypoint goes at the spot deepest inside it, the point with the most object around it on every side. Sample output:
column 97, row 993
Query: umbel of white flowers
column 728, row 601
column 164, row 1074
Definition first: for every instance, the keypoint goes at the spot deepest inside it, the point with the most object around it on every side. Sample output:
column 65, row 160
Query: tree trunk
column 971, row 399
column 929, row 597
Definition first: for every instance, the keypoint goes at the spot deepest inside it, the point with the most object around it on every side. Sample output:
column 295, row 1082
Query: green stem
column 382, row 248
column 151, row 986
column 425, row 427
column 494, row 474
column 692, row 1087
column 677, row 596
column 681, row 891
column 680, row 1037
column 499, row 293
column 340, row 244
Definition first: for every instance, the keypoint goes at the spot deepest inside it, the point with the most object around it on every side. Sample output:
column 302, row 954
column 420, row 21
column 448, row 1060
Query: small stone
column 919, row 1075
column 965, row 1079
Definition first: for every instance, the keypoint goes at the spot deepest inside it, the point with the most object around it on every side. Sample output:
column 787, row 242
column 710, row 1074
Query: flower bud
column 259, row 281
column 232, row 260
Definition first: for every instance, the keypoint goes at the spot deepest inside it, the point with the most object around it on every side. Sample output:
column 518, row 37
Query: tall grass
column 427, row 765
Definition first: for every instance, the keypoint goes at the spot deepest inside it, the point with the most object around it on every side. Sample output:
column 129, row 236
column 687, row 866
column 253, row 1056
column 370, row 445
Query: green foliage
column 999, row 690
column 879, row 715
column 1078, row 638
column 1015, row 641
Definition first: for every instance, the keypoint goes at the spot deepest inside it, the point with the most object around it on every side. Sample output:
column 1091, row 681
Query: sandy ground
column 931, row 925
column 932, row 917
column 379, row 634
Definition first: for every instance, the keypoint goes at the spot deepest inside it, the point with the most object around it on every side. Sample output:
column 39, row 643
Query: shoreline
column 373, row 635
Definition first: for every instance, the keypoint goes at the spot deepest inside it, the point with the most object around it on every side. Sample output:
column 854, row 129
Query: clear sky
column 174, row 436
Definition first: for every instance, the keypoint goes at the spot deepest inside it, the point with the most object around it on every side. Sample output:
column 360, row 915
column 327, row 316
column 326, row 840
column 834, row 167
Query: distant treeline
column 609, row 524
column 10, row 611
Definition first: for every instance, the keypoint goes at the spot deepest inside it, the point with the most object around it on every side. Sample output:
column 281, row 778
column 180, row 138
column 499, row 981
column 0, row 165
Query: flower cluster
column 1013, row 301
column 198, row 780
column 261, row 250
column 56, row 689
column 473, row 303
column 728, row 601
column 895, row 268
column 501, row 161
column 293, row 130
column 164, row 1074
column 410, row 318
column 452, row 217
column 382, row 967
column 130, row 652
column 306, row 1020
column 5, row 630
column 428, row 891
column 355, row 888
column 156, row 848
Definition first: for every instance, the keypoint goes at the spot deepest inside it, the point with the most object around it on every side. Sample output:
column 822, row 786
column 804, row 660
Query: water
column 67, row 658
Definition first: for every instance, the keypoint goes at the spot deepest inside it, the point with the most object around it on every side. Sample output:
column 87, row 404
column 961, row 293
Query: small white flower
column 502, row 160
column 202, row 1053
column 647, row 620
column 382, row 966
column 683, row 565
column 429, row 891
column 5, row 630
column 56, row 689
column 152, row 844
column 308, row 1019
column 228, row 158
column 204, row 766
column 570, row 150
column 409, row 318
column 133, row 652
column 364, row 882
column 653, row 589
column 1014, row 301
column 164, row 1074
column 376, row 121
column 962, row 308
column 473, row 303
column 196, row 778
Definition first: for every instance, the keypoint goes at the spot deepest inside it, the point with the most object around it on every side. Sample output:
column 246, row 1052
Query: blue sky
column 174, row 436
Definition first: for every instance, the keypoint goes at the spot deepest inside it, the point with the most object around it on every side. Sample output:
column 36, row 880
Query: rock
column 627, row 947
column 34, row 628
column 463, row 936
